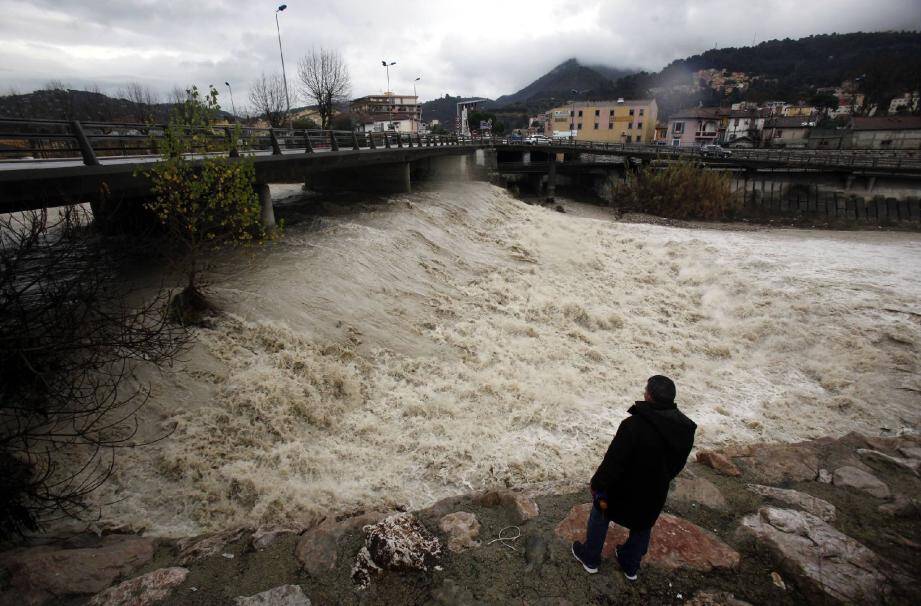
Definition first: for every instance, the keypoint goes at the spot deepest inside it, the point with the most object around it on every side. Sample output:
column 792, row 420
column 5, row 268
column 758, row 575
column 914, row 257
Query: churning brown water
column 397, row 352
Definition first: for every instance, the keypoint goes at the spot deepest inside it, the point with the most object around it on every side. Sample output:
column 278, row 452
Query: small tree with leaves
column 205, row 203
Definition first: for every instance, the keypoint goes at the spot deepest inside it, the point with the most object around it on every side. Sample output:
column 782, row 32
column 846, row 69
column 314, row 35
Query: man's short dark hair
column 662, row 389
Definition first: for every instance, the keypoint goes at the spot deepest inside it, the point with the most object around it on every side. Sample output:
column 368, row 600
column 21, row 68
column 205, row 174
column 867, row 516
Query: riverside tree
column 267, row 99
column 204, row 203
column 69, row 341
column 325, row 81
column 683, row 190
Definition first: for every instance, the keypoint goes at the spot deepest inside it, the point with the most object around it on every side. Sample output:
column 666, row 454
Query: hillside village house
column 387, row 112
column 786, row 131
column 695, row 126
column 743, row 127
column 620, row 121
column 885, row 132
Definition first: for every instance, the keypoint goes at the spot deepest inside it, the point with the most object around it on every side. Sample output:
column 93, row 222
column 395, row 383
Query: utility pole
column 281, row 53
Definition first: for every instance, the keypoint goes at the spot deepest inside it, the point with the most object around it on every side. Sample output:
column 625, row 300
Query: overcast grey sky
column 469, row 47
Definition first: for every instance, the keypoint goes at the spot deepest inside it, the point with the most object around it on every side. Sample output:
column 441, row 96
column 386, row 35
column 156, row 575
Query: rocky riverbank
column 821, row 522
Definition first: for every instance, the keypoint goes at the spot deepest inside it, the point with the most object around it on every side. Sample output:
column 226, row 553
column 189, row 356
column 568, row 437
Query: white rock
column 824, row 476
column 283, row 595
column 807, row 502
column 825, row 560
column 852, row 477
column 912, row 465
column 146, row 589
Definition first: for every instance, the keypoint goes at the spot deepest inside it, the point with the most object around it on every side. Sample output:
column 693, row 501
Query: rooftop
column 885, row 122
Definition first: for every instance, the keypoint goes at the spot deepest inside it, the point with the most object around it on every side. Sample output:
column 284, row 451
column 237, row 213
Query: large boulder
column 317, row 549
column 858, row 479
column 712, row 597
column 462, row 529
column 827, row 562
column 192, row 549
column 523, row 507
column 37, row 574
column 283, row 595
column 777, row 463
column 689, row 489
column 905, row 464
column 144, row 590
column 718, row 462
column 676, row 542
column 806, row 502
column 398, row 542
column 266, row 536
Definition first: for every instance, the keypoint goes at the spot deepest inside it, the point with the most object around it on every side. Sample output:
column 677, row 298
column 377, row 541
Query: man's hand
column 602, row 504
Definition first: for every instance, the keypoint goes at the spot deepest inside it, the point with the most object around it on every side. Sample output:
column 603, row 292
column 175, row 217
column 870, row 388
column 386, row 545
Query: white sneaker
column 587, row 568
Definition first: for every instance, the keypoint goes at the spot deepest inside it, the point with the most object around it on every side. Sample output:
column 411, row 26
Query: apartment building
column 387, row 112
column 696, row 126
column 619, row 121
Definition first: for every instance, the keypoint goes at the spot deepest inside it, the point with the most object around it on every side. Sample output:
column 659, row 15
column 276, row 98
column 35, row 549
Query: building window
column 638, row 138
column 612, row 113
column 629, row 139
column 639, row 125
column 597, row 112
column 571, row 126
column 580, row 113
column 571, row 114
column 631, row 112
column 611, row 126
column 596, row 126
column 579, row 126
column 641, row 111
column 678, row 128
column 630, row 126
column 676, row 142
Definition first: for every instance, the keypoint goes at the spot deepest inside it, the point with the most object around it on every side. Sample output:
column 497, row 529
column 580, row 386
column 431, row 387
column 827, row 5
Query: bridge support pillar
column 551, row 179
column 267, row 213
column 871, row 183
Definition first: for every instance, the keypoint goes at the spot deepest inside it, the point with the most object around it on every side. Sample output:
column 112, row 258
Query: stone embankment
column 829, row 521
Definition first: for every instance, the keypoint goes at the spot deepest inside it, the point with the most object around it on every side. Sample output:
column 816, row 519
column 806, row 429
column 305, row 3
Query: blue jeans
column 630, row 554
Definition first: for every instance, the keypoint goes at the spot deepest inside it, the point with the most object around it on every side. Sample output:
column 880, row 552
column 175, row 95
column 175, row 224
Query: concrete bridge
column 45, row 163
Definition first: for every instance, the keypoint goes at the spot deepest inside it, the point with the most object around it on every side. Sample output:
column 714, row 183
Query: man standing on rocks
column 650, row 448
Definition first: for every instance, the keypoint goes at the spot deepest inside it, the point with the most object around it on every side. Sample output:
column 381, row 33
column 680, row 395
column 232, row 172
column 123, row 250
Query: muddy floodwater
column 394, row 351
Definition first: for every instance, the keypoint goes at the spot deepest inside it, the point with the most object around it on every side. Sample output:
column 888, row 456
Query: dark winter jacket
column 649, row 449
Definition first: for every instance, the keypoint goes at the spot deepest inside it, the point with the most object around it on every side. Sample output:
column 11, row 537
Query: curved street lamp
column 232, row 105
column 284, row 76
column 389, row 105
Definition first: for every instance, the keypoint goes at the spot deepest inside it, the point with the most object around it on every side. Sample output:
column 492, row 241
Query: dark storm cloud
column 474, row 47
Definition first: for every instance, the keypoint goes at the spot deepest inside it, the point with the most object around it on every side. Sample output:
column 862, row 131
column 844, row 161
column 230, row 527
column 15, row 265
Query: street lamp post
column 232, row 104
column 390, row 103
column 418, row 105
column 281, row 53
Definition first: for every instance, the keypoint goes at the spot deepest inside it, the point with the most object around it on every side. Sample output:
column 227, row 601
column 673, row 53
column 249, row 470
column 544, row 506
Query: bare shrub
column 69, row 341
column 682, row 190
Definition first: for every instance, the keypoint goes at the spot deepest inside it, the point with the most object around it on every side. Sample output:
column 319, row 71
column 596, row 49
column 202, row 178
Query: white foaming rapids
column 396, row 353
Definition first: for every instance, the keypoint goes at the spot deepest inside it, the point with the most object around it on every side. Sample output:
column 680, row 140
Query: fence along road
column 54, row 162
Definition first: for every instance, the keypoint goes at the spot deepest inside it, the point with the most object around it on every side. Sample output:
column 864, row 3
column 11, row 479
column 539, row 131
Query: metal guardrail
column 38, row 140
column 22, row 139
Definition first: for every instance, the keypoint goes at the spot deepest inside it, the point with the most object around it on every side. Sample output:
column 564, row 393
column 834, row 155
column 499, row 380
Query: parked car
column 712, row 150
column 515, row 138
column 537, row 140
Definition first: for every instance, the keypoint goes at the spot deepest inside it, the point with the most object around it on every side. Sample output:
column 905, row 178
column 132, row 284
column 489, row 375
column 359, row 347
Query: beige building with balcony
column 619, row 121
column 387, row 112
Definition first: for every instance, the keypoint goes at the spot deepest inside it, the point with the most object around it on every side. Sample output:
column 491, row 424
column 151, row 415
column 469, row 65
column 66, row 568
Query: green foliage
column 475, row 117
column 824, row 101
column 682, row 190
column 306, row 123
column 204, row 202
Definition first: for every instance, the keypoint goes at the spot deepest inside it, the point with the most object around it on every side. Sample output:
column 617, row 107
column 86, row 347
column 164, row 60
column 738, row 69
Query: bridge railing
column 24, row 139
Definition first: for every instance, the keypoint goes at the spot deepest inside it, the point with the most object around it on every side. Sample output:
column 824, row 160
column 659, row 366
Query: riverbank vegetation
column 681, row 190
